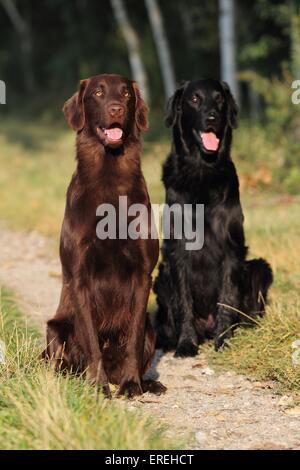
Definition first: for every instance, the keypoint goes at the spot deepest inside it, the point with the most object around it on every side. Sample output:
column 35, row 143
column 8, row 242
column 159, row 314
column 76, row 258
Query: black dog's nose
column 212, row 116
column 116, row 110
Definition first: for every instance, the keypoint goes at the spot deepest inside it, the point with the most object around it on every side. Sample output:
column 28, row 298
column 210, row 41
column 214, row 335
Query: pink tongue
column 114, row 134
column 210, row 141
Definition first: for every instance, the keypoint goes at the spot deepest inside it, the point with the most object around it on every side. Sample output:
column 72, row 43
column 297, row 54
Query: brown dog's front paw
column 153, row 386
column 130, row 389
column 101, row 387
column 98, row 380
column 105, row 390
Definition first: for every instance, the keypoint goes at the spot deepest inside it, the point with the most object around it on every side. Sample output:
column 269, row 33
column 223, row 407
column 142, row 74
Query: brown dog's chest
column 87, row 206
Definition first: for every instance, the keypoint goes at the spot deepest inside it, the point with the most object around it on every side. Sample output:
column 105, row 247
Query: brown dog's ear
column 174, row 105
column 141, row 109
column 74, row 108
column 232, row 107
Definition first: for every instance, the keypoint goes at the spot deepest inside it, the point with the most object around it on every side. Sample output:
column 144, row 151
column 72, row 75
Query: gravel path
column 209, row 410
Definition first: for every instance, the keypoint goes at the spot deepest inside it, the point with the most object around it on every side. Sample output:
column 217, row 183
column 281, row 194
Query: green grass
column 265, row 351
column 42, row 410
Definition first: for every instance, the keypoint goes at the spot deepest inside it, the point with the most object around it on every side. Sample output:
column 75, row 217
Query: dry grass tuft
column 43, row 410
column 265, row 351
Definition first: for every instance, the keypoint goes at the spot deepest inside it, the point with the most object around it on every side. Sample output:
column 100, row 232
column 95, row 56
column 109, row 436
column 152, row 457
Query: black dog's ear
column 174, row 106
column 232, row 107
column 74, row 108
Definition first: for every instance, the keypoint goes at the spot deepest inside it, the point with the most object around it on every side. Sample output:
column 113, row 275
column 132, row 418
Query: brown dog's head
column 108, row 106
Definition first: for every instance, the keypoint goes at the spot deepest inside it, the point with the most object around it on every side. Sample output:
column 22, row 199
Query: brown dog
column 101, row 324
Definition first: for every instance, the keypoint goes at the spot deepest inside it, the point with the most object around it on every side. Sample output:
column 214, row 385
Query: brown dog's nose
column 116, row 110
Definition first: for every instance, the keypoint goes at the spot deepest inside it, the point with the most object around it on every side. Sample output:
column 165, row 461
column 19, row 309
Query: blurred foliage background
column 46, row 47
column 69, row 40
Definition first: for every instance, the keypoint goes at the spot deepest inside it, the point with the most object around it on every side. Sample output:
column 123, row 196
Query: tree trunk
column 187, row 23
column 228, row 44
column 133, row 46
column 162, row 46
column 23, row 32
column 254, row 103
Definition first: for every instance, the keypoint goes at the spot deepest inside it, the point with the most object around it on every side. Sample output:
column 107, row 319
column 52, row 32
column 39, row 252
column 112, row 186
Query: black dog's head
column 204, row 113
column 108, row 106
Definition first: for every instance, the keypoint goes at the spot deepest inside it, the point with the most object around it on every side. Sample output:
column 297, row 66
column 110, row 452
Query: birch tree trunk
column 23, row 31
column 162, row 46
column 187, row 23
column 132, row 42
column 228, row 44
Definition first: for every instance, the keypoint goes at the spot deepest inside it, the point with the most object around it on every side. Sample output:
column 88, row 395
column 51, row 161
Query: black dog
column 202, row 293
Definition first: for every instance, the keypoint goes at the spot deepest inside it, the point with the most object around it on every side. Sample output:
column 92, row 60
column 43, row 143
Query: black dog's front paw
column 221, row 340
column 186, row 348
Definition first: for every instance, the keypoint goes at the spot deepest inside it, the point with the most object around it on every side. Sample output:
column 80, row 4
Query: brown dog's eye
column 127, row 94
column 99, row 93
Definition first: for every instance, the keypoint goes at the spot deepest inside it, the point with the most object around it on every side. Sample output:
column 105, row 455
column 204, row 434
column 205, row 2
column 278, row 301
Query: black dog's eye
column 219, row 98
column 196, row 99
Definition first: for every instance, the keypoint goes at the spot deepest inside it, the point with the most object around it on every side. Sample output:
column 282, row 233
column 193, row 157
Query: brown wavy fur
column 101, row 322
